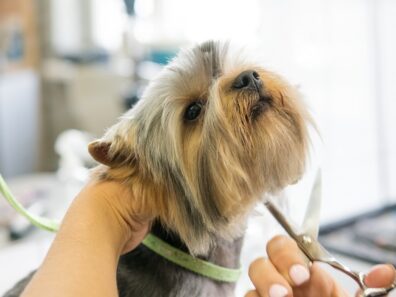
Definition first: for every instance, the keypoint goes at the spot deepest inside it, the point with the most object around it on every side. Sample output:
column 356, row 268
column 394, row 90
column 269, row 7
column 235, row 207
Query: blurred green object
column 40, row 222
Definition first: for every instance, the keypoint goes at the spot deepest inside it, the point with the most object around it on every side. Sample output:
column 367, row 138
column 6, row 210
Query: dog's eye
column 193, row 111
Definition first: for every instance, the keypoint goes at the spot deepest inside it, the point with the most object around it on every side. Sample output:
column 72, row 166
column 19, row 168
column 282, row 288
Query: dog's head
column 211, row 134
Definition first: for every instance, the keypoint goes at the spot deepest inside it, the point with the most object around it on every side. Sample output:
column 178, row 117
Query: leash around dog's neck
column 152, row 242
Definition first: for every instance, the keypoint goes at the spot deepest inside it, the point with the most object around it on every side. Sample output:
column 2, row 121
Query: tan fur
column 202, row 178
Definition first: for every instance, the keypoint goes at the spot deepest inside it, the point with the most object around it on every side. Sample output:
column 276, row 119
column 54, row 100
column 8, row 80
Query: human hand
column 286, row 273
column 112, row 203
column 99, row 226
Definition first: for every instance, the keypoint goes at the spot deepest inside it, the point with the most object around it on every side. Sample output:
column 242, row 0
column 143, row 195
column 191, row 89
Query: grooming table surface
column 370, row 237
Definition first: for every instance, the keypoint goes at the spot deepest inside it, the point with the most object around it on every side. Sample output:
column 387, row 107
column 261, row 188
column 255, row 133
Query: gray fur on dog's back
column 143, row 273
column 20, row 286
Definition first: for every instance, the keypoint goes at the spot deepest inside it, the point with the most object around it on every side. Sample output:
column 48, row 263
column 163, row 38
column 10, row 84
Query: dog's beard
column 201, row 178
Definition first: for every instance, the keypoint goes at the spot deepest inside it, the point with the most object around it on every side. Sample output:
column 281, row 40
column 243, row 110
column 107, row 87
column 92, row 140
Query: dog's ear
column 102, row 152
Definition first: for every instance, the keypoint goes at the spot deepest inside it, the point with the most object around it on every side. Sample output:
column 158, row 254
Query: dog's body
column 168, row 279
column 211, row 135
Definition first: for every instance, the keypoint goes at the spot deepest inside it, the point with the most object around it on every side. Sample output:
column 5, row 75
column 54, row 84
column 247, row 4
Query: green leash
column 151, row 241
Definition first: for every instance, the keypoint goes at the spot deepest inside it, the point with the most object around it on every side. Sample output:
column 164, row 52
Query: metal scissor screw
column 307, row 239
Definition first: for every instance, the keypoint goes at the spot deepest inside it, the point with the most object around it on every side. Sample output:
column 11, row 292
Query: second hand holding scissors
column 308, row 243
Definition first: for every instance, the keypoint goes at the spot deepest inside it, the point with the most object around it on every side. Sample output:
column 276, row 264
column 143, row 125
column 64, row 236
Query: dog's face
column 210, row 135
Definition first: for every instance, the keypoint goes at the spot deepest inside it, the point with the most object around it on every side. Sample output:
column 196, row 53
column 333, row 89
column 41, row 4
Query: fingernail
column 277, row 291
column 299, row 274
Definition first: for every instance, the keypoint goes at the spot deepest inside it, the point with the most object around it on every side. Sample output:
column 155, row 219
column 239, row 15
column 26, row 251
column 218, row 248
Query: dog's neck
column 223, row 253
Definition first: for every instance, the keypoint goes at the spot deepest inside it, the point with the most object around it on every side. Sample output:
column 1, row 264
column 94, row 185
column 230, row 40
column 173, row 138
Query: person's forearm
column 83, row 259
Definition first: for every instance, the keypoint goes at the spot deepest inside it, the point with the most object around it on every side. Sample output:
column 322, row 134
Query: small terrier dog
column 211, row 134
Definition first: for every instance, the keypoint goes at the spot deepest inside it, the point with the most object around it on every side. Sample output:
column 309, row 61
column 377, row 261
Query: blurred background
column 69, row 68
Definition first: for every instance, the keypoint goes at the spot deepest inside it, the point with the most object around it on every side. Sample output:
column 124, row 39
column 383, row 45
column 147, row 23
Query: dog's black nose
column 248, row 79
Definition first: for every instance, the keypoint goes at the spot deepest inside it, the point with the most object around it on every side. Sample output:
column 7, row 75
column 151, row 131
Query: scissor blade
column 279, row 216
column 310, row 224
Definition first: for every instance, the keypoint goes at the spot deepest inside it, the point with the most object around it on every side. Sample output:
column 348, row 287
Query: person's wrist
column 110, row 205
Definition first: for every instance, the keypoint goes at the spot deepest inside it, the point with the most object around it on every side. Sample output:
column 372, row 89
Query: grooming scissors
column 307, row 240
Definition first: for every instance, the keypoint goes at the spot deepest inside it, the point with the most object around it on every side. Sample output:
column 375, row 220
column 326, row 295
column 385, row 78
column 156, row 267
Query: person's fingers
column 252, row 294
column 288, row 260
column 267, row 280
column 320, row 281
column 380, row 276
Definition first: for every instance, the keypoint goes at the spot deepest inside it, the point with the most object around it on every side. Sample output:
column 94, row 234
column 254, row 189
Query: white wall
column 19, row 123
column 386, row 79
column 326, row 47
column 66, row 26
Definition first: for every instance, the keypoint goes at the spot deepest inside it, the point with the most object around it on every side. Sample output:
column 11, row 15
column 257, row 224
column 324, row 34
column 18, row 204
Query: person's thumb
column 380, row 276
